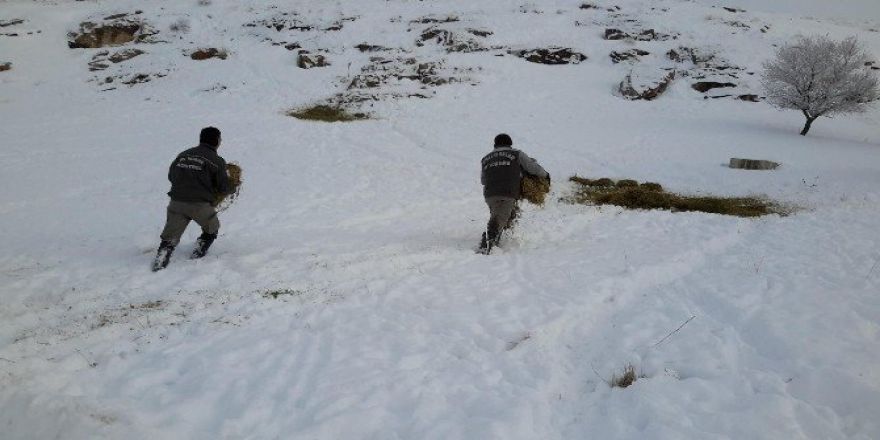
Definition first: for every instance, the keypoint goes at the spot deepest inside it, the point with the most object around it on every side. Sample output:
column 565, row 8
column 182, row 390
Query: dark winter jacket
column 503, row 170
column 198, row 175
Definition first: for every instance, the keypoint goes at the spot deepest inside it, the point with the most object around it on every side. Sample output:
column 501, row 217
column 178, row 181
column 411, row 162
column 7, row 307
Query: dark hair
column 503, row 140
column 210, row 136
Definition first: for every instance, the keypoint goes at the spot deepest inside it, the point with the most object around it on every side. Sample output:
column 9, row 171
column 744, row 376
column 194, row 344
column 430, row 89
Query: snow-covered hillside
column 343, row 298
column 853, row 11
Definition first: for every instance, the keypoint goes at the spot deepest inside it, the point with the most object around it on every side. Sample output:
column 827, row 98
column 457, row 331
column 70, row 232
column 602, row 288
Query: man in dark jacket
column 198, row 176
column 502, row 173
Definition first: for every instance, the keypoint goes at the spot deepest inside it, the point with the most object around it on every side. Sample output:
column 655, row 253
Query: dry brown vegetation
column 326, row 113
column 628, row 378
column 208, row 53
column 233, row 170
column 535, row 189
column 649, row 195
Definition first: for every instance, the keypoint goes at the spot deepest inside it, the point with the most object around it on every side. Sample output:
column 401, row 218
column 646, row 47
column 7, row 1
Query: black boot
column 163, row 255
column 202, row 245
column 514, row 216
column 490, row 239
column 485, row 245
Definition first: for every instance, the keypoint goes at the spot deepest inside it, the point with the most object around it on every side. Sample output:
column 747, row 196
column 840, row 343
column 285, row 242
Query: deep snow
column 384, row 323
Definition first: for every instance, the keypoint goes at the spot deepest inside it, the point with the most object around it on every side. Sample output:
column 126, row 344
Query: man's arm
column 221, row 179
column 531, row 166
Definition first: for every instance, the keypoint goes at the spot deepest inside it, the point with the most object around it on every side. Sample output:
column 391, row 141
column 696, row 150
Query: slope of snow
column 343, row 298
column 857, row 10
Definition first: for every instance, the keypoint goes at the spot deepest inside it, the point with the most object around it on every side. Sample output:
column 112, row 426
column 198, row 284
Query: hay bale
column 602, row 182
column 651, row 186
column 534, row 189
column 581, row 180
column 635, row 198
column 650, row 195
column 224, row 201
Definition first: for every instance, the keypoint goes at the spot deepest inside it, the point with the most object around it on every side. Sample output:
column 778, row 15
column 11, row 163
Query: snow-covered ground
column 853, row 10
column 343, row 299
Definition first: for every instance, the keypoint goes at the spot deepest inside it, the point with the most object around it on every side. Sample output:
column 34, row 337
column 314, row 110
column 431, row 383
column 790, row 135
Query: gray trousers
column 180, row 214
column 502, row 214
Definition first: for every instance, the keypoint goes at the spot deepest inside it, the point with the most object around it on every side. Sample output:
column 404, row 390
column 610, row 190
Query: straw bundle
column 224, row 201
column 630, row 194
column 534, row 189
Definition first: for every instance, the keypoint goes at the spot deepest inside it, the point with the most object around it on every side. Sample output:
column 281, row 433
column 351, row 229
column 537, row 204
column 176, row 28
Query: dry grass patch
column 208, row 53
column 326, row 113
column 628, row 377
column 649, row 195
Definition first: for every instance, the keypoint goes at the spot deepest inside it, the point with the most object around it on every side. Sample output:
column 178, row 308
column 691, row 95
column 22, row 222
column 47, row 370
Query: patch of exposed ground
column 114, row 30
column 208, row 53
column 294, row 21
column 550, row 55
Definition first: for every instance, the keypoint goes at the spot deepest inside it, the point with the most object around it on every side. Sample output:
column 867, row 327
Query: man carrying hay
column 198, row 176
column 502, row 173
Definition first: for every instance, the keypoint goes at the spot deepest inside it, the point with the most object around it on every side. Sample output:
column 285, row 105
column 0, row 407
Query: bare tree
column 820, row 77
